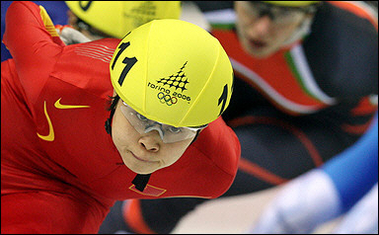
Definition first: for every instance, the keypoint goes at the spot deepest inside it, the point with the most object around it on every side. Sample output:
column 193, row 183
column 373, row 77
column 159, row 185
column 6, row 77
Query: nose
column 155, row 127
column 261, row 26
column 150, row 142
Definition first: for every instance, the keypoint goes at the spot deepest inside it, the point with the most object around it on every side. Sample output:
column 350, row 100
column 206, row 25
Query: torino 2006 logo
column 177, row 81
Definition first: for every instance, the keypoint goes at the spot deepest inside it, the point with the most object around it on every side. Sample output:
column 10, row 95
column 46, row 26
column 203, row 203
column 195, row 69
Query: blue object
column 355, row 171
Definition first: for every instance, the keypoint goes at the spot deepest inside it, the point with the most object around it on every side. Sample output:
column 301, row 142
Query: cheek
column 122, row 131
column 118, row 137
column 243, row 19
column 176, row 151
column 288, row 30
column 171, row 158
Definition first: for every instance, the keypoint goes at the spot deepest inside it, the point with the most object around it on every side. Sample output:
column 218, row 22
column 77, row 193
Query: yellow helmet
column 173, row 72
column 116, row 18
column 293, row 3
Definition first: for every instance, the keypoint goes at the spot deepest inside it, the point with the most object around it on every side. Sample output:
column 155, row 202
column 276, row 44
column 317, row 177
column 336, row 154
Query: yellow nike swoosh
column 58, row 105
column 50, row 136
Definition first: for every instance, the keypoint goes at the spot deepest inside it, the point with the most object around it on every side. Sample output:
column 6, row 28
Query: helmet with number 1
column 173, row 72
column 116, row 18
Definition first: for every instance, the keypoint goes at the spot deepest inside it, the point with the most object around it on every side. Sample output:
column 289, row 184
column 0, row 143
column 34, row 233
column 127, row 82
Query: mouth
column 140, row 159
column 257, row 44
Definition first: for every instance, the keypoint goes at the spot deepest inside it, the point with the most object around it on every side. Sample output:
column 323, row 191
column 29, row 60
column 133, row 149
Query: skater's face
column 149, row 150
column 263, row 28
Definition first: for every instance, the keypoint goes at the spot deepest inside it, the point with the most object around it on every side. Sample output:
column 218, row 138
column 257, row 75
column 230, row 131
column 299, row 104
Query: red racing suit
column 60, row 171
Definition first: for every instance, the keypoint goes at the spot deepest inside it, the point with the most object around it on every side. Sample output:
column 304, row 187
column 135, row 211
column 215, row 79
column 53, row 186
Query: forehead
column 269, row 6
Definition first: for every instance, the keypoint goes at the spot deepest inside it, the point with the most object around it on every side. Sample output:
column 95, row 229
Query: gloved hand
column 300, row 206
column 69, row 35
column 363, row 216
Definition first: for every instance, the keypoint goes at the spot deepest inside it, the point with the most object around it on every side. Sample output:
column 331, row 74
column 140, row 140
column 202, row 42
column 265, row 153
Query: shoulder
column 220, row 151
column 220, row 144
column 342, row 50
column 89, row 54
column 86, row 64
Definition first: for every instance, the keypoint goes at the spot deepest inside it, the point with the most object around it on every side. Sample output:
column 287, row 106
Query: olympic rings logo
column 167, row 99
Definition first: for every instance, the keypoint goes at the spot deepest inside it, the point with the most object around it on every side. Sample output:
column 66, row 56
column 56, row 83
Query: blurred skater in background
column 346, row 185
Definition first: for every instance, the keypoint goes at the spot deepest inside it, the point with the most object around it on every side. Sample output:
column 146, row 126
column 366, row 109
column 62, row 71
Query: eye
column 141, row 117
column 174, row 130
